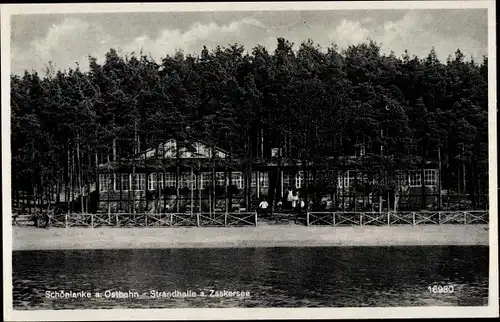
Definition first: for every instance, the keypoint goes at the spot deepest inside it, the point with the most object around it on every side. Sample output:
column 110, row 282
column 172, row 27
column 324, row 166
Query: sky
column 65, row 39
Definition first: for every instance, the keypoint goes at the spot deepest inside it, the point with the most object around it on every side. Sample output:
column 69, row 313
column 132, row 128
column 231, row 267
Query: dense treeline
column 311, row 102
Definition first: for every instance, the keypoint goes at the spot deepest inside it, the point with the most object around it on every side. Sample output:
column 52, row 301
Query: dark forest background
column 313, row 103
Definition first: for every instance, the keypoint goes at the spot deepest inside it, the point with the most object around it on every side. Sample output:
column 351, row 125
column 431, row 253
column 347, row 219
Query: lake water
column 267, row 277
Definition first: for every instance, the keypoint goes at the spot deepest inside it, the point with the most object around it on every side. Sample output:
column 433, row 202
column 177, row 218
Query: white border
column 232, row 313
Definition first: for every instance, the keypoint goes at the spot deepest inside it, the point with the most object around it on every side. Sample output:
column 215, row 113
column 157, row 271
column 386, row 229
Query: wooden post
column 255, row 218
column 117, row 221
column 192, row 190
column 258, row 183
column 225, row 219
column 92, row 220
column 440, row 185
column 282, row 186
column 66, row 220
column 361, row 219
column 334, row 221
column 396, row 198
column 463, row 168
column 198, row 219
column 413, row 215
column 439, row 218
column 200, row 179
column 388, row 201
column 307, row 218
column 388, row 218
column 211, row 187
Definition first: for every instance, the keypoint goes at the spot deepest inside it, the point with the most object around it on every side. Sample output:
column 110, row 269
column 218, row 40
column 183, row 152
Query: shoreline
column 291, row 235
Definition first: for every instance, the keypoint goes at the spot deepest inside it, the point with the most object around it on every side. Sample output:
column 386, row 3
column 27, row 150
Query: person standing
column 279, row 205
column 295, row 200
column 263, row 207
column 46, row 217
column 300, row 205
column 289, row 198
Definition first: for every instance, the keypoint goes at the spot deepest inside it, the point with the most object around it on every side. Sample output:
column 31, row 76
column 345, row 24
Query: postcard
column 178, row 161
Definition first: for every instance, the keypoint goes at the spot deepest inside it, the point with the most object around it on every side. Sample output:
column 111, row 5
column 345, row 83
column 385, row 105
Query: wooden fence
column 221, row 219
column 397, row 218
column 155, row 220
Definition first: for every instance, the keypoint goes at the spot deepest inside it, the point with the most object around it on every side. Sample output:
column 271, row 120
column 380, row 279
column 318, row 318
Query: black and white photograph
column 249, row 160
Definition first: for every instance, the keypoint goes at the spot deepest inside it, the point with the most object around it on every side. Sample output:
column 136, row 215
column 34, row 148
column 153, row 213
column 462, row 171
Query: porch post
column 257, row 173
column 281, row 180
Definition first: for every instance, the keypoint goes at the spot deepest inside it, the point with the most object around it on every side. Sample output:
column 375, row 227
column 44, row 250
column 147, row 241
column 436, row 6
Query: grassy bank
column 30, row 238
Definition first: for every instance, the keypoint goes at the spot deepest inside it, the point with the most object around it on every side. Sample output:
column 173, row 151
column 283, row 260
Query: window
column 254, row 180
column 161, row 180
column 310, row 178
column 103, row 185
column 153, row 183
column 187, row 181
column 401, row 178
column 299, row 179
column 191, row 181
column 112, row 182
column 237, row 179
column 362, row 177
column 430, row 177
column 142, row 181
column 170, row 179
column 205, row 180
column 360, row 150
column 183, row 178
column 264, row 180
column 287, row 180
column 125, row 181
column 415, row 178
column 220, row 179
column 106, row 182
column 138, row 181
column 347, row 179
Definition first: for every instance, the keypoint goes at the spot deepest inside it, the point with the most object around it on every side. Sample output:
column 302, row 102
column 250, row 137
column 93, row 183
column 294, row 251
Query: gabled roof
column 196, row 150
column 168, row 150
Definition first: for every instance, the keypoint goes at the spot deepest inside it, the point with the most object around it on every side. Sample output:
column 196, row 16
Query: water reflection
column 275, row 277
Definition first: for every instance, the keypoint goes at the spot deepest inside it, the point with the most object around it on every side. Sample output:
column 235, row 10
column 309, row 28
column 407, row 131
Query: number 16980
column 440, row 289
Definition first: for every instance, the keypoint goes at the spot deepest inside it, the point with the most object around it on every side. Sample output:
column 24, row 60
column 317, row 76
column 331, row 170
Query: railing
column 155, row 220
column 397, row 218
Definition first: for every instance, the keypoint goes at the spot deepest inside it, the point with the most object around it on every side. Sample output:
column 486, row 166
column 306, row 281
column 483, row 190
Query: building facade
column 201, row 178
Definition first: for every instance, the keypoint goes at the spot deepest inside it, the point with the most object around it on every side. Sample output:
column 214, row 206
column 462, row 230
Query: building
column 173, row 177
